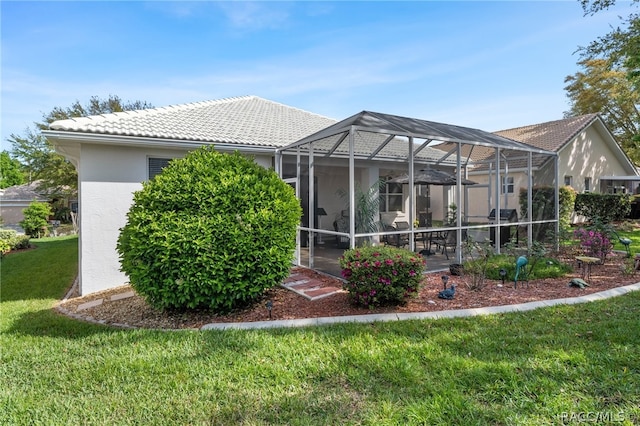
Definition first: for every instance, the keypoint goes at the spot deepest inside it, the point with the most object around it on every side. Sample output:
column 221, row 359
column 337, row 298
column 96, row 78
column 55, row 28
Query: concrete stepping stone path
column 309, row 288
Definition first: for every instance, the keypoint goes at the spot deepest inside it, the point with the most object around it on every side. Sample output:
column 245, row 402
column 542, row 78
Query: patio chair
column 424, row 221
column 341, row 225
column 403, row 239
column 397, row 240
column 449, row 241
column 388, row 239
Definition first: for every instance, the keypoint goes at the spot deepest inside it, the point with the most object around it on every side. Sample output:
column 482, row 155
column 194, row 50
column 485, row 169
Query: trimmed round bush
column 212, row 231
column 381, row 275
column 35, row 222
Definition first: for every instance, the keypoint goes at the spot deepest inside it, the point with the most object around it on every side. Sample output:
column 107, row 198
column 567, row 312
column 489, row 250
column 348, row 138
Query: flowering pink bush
column 378, row 276
column 594, row 243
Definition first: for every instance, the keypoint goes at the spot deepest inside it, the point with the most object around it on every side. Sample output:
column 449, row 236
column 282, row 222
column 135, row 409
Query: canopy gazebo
column 368, row 148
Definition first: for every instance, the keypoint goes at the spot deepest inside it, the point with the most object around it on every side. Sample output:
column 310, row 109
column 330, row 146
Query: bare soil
column 135, row 312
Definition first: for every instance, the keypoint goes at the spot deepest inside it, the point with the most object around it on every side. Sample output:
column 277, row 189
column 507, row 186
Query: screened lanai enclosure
column 382, row 179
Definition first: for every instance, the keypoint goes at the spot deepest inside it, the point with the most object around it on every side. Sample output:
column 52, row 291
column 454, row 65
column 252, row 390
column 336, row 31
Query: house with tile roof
column 587, row 153
column 14, row 199
column 115, row 153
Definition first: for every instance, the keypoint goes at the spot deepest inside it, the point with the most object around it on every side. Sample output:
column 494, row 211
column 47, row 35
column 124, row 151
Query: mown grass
column 633, row 235
column 522, row 368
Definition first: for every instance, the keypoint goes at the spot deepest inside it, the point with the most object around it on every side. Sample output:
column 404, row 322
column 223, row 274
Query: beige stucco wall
column 589, row 155
column 11, row 211
column 482, row 197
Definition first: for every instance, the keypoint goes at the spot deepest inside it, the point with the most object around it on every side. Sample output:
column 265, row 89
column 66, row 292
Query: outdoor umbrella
column 432, row 177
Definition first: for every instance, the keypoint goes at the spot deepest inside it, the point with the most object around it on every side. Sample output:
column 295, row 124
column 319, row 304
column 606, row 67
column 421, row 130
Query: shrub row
column 11, row 240
column 604, row 207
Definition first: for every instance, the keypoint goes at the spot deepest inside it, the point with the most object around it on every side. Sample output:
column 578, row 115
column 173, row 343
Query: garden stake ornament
column 521, row 263
column 269, row 306
column 444, row 279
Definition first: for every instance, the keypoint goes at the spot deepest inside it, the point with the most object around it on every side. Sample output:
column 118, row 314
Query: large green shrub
column 603, row 207
column 36, row 218
column 383, row 275
column 211, row 231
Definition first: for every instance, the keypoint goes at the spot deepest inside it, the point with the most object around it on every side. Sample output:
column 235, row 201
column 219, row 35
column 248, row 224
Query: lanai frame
column 375, row 139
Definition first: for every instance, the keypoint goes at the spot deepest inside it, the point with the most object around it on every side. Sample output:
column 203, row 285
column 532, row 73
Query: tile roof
column 246, row 120
column 550, row 136
column 26, row 192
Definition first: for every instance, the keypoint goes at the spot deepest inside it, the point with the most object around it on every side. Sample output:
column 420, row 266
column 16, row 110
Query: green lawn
column 539, row 367
column 633, row 235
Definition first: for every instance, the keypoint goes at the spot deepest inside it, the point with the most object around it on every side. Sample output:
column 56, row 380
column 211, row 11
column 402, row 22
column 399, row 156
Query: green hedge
column 603, row 207
column 11, row 240
column 211, row 231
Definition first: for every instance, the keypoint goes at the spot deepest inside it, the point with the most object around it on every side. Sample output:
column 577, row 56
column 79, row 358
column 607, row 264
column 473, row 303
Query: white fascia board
column 62, row 137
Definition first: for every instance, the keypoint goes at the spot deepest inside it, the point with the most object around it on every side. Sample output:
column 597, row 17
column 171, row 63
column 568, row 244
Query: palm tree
column 367, row 206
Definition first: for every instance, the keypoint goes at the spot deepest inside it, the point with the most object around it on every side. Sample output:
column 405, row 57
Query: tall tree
column 610, row 82
column 600, row 89
column 621, row 46
column 10, row 173
column 40, row 161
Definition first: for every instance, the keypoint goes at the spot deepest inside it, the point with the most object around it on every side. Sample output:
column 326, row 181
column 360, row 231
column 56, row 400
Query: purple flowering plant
column 381, row 275
column 594, row 243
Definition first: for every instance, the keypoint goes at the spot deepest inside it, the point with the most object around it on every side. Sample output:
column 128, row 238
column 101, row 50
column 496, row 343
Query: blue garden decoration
column 521, row 264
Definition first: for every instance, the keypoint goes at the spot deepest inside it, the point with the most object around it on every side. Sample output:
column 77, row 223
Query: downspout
column 278, row 163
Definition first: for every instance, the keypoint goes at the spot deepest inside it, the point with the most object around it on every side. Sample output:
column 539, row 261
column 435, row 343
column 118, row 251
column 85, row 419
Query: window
column 507, row 185
column 391, row 198
column 156, row 165
column 568, row 180
column 587, row 184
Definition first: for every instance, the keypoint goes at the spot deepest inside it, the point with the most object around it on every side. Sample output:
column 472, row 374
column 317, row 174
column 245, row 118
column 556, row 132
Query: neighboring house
column 14, row 200
column 587, row 151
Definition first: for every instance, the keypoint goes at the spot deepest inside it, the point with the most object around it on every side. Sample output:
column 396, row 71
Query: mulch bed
column 135, row 312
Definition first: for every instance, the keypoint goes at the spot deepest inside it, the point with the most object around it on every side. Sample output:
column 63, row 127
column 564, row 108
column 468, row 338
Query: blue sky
column 488, row 65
